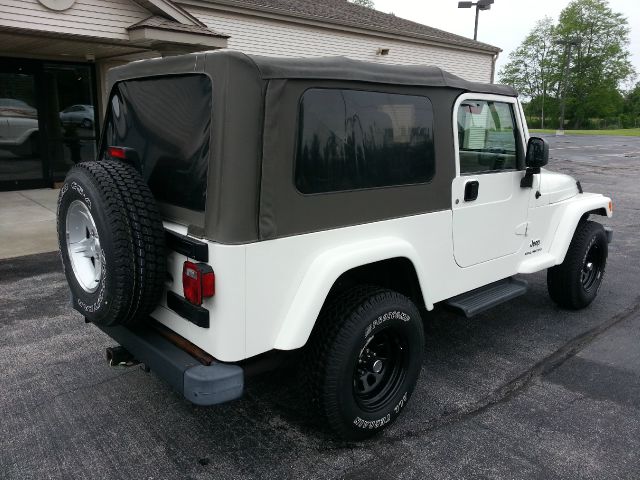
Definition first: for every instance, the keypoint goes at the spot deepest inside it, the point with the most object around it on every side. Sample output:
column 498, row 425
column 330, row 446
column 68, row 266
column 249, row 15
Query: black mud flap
column 609, row 232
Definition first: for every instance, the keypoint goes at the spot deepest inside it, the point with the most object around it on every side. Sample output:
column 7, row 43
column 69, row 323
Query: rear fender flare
column 322, row 274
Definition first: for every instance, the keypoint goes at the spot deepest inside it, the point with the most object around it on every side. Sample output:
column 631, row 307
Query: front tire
column 574, row 284
column 363, row 361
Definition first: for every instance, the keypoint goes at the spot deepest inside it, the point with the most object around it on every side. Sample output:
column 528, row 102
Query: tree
column 601, row 61
column 531, row 66
column 598, row 65
column 364, row 3
column 632, row 107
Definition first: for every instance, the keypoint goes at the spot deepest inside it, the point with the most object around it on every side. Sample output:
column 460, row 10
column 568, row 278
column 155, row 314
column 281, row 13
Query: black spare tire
column 111, row 242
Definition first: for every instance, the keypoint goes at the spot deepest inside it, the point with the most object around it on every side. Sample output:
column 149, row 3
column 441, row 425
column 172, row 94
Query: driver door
column 489, row 206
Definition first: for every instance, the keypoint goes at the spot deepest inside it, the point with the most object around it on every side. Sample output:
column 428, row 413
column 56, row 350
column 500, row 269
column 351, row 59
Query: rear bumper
column 199, row 383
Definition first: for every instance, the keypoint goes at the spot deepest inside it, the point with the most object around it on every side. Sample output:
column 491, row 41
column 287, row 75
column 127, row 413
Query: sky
column 506, row 24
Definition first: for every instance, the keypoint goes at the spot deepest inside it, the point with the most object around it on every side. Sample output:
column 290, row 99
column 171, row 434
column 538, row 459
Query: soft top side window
column 352, row 139
column 487, row 137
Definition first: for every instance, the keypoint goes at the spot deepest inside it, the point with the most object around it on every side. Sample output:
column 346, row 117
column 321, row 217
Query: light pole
column 563, row 98
column 480, row 5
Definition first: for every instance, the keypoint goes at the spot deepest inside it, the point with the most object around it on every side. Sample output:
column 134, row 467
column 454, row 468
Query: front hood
column 556, row 187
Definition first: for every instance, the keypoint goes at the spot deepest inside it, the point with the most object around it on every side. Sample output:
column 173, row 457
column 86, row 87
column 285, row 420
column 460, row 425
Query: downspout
column 493, row 67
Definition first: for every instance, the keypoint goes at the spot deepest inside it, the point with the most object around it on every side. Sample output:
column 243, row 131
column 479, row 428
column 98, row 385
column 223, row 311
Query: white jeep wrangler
column 243, row 205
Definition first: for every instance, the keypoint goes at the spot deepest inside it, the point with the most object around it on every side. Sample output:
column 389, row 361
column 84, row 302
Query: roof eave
column 151, row 36
column 263, row 11
column 170, row 10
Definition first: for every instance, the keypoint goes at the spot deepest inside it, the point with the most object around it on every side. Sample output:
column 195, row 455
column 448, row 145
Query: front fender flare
column 572, row 214
column 322, row 274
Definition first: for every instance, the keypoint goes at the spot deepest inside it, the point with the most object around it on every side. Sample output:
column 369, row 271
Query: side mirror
column 537, row 153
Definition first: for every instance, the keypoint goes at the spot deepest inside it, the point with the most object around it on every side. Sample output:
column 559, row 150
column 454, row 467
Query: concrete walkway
column 28, row 222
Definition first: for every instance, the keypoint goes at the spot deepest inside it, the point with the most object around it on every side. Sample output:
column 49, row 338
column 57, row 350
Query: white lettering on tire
column 399, row 406
column 381, row 422
column 385, row 317
column 63, row 190
column 372, row 424
column 94, row 307
column 80, row 191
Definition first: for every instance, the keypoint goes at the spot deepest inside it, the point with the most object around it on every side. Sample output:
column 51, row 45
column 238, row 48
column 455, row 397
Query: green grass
column 625, row 132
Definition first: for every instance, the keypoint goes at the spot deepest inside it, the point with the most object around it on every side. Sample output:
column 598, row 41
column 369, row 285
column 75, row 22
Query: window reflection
column 71, row 123
column 486, row 136
column 167, row 122
column 19, row 133
column 47, row 120
column 349, row 139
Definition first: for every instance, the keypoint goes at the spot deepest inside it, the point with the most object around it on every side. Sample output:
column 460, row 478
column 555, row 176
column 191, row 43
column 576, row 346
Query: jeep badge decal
column 534, row 247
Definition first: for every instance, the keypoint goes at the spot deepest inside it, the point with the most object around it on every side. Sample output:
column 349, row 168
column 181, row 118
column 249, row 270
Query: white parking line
column 624, row 154
column 582, row 146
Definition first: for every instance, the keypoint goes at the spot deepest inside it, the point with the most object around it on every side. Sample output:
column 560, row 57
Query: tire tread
column 563, row 288
column 336, row 324
column 138, row 236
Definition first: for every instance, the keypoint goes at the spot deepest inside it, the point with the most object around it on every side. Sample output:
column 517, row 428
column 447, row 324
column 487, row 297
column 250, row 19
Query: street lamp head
column 480, row 5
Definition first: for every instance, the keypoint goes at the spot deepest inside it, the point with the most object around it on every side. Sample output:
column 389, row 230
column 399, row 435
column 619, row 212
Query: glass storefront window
column 19, row 130
column 47, row 121
column 71, row 130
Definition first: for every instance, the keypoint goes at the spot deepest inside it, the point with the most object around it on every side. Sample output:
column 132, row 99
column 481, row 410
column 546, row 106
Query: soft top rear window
column 167, row 121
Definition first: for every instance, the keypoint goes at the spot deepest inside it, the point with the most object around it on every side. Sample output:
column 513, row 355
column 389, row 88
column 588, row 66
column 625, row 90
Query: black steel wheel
column 593, row 267
column 363, row 360
column 380, row 369
column 574, row 283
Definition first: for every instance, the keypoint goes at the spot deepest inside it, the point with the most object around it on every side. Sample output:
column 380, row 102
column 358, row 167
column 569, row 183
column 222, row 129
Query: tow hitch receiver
column 120, row 356
column 200, row 379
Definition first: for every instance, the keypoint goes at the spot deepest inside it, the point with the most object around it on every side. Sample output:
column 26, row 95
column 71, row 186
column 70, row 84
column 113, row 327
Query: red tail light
column 198, row 282
column 117, row 152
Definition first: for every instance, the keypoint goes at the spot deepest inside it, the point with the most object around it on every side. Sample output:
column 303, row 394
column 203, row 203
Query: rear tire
column 111, row 242
column 574, row 284
column 363, row 361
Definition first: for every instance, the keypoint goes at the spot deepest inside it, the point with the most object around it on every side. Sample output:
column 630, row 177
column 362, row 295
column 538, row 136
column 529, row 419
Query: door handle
column 471, row 190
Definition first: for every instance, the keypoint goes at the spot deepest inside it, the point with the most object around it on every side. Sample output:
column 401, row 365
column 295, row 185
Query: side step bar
column 483, row 298
column 200, row 383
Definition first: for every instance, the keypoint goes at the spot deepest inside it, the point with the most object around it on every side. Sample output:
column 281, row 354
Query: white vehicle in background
column 18, row 127
column 81, row 115
column 242, row 207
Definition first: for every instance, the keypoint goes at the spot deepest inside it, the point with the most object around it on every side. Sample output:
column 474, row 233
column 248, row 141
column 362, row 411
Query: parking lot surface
column 525, row 390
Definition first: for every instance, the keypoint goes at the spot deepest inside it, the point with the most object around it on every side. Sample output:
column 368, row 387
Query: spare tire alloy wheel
column 83, row 246
column 111, row 243
column 364, row 360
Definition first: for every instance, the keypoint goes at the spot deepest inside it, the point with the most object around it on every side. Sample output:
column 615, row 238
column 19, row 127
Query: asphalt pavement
column 526, row 390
